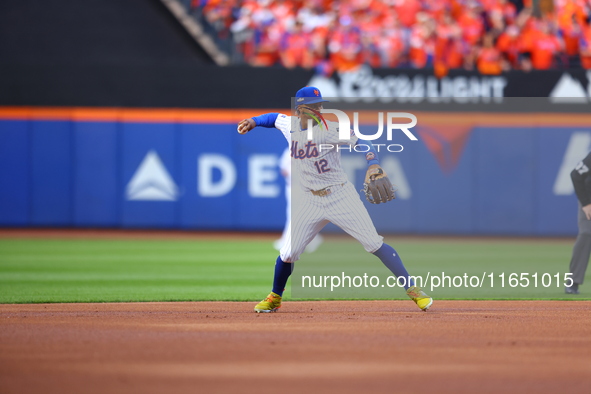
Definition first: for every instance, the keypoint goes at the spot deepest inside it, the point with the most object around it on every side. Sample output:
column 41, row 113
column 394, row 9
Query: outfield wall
column 191, row 170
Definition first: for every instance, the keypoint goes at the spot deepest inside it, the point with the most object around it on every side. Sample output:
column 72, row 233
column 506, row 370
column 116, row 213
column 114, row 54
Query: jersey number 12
column 322, row 166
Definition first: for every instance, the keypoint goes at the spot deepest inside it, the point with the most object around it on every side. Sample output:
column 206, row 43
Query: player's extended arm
column 377, row 187
column 581, row 178
column 264, row 120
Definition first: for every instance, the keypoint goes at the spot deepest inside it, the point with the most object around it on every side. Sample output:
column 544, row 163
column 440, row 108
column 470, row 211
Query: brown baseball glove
column 377, row 186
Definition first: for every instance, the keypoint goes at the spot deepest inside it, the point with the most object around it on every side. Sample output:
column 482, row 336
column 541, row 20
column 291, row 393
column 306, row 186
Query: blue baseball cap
column 309, row 95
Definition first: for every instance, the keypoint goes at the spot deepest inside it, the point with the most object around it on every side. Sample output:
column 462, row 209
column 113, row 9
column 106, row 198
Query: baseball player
column 285, row 167
column 326, row 195
column 581, row 178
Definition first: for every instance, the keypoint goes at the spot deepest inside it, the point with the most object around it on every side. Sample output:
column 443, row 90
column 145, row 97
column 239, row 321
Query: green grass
column 132, row 270
column 45, row 270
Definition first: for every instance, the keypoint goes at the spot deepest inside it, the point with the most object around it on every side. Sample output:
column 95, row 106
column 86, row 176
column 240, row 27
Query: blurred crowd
column 490, row 36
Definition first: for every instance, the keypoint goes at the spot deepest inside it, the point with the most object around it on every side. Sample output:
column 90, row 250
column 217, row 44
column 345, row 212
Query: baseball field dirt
column 328, row 346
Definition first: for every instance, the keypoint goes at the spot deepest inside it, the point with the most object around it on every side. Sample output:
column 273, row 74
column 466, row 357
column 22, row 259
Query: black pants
column 582, row 249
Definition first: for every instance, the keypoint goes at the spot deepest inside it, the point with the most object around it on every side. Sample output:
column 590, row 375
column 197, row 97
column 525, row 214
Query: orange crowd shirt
column 489, row 61
column 472, row 27
column 508, row 44
column 585, row 47
column 543, row 50
column 407, row 11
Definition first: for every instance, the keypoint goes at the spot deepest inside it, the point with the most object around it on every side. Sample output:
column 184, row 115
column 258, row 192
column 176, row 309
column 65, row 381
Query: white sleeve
column 283, row 124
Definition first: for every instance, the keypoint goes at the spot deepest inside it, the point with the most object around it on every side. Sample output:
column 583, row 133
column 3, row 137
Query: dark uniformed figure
column 581, row 177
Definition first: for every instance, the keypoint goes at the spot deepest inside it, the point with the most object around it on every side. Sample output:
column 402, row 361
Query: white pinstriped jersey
column 317, row 168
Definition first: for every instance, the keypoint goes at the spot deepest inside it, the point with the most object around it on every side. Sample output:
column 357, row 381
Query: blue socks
column 282, row 273
column 390, row 258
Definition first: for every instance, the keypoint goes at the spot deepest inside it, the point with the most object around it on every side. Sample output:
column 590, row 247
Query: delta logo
column 446, row 143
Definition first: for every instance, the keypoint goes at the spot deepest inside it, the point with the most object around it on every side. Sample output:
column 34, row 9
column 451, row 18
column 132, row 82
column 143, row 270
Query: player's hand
column 245, row 125
column 587, row 210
